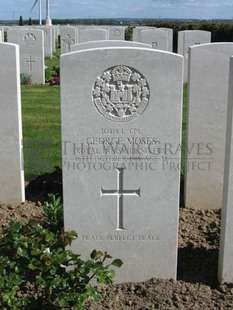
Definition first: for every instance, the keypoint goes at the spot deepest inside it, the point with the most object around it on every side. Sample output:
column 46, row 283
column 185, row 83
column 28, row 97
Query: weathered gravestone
column 54, row 38
column 206, row 124
column 187, row 38
column 48, row 41
column 2, row 31
column 225, row 268
column 68, row 38
column 170, row 38
column 119, row 191
column 11, row 153
column 137, row 30
column 31, row 44
column 116, row 33
column 106, row 43
column 156, row 37
column 86, row 35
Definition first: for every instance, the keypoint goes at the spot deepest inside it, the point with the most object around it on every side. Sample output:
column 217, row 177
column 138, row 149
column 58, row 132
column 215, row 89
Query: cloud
column 190, row 4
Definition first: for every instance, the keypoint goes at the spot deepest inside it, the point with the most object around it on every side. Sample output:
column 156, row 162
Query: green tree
column 30, row 21
column 20, row 20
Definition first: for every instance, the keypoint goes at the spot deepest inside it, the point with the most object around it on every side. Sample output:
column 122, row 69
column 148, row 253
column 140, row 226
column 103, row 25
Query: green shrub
column 53, row 213
column 25, row 79
column 36, row 269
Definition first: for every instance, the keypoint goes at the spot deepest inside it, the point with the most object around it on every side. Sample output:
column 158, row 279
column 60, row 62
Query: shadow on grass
column 198, row 265
column 48, row 183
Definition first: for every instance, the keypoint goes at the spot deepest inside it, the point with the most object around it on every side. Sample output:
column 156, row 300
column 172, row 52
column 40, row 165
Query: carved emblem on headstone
column 121, row 93
column 116, row 32
column 30, row 39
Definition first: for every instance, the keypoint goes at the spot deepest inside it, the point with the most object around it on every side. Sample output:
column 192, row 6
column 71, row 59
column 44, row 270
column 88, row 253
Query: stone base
column 48, row 22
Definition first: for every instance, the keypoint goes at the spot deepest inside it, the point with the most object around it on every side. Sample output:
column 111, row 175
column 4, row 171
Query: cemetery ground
column 196, row 287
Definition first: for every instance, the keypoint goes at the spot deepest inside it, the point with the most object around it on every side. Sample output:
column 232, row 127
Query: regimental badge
column 30, row 39
column 116, row 32
column 121, row 94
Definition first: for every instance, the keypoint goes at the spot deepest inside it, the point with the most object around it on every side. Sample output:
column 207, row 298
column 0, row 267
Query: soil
column 196, row 287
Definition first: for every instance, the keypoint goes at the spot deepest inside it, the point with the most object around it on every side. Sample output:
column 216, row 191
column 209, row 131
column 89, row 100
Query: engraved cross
column 68, row 41
column 30, row 62
column 120, row 192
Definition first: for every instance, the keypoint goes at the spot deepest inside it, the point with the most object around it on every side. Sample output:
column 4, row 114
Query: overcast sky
column 200, row 9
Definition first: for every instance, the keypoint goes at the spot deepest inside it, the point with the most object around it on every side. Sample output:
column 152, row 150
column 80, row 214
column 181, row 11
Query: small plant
column 216, row 234
column 25, row 79
column 55, row 79
column 53, row 213
column 36, row 269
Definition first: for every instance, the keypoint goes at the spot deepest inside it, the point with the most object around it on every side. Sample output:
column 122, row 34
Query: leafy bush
column 53, row 213
column 55, row 79
column 25, row 79
column 36, row 269
column 129, row 33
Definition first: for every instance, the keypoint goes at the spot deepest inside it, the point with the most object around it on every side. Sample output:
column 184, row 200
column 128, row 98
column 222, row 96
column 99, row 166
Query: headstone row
column 73, row 35
column 119, row 162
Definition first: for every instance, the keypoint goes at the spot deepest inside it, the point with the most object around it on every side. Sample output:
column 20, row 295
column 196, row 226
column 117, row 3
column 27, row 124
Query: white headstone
column 206, row 124
column 137, row 30
column 120, row 193
column 31, row 43
column 116, row 33
column 157, row 38
column 12, row 36
column 106, row 43
column 68, row 38
column 87, row 35
column 48, row 41
column 2, row 34
column 54, row 38
column 225, row 267
column 189, row 38
column 170, row 38
column 11, row 152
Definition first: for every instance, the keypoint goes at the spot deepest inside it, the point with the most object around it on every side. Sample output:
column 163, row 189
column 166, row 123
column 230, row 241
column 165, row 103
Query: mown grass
column 51, row 63
column 41, row 129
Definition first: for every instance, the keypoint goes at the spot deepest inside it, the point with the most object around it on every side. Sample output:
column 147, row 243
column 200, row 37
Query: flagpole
column 40, row 18
column 48, row 19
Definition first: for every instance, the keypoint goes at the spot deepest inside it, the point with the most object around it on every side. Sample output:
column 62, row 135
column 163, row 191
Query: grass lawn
column 41, row 129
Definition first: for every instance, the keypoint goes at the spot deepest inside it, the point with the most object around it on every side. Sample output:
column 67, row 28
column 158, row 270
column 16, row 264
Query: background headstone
column 158, row 39
column 225, row 268
column 106, row 43
column 48, row 41
column 187, row 38
column 2, row 31
column 206, row 124
column 170, row 38
column 116, row 33
column 68, row 38
column 120, row 193
column 31, row 44
column 11, row 152
column 86, row 35
column 137, row 30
